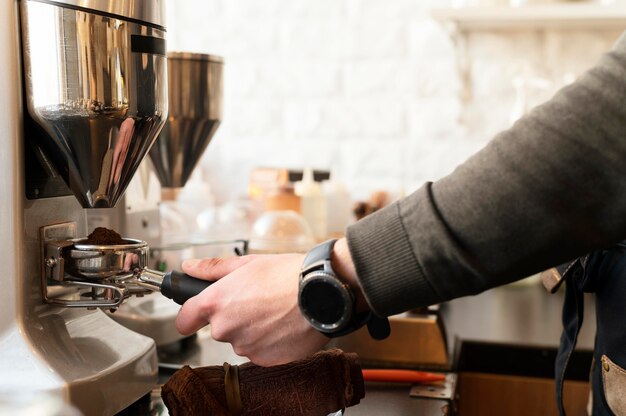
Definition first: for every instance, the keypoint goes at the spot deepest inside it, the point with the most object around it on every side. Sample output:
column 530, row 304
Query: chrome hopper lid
column 96, row 84
column 195, row 112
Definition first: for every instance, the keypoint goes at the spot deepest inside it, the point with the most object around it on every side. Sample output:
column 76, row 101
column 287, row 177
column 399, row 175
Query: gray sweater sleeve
column 547, row 190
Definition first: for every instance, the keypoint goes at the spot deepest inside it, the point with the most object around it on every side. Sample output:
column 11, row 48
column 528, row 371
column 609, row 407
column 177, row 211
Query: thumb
column 213, row 268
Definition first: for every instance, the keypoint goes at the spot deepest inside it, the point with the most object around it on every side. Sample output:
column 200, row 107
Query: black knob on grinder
column 179, row 286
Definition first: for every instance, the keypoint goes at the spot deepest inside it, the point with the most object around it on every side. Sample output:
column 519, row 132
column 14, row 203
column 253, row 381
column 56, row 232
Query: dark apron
column 602, row 272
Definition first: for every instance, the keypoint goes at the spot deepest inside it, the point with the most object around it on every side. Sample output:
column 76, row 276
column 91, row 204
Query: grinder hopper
column 195, row 112
column 97, row 87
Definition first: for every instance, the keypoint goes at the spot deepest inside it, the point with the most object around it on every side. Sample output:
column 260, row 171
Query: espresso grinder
column 84, row 97
column 195, row 91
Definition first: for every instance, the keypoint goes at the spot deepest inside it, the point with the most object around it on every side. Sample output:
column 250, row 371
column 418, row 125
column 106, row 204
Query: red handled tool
column 401, row 376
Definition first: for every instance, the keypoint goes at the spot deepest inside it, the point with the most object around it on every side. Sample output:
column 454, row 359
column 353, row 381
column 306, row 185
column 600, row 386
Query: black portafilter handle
column 179, row 286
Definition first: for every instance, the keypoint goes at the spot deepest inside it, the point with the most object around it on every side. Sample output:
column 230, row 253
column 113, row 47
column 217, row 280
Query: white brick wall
column 370, row 88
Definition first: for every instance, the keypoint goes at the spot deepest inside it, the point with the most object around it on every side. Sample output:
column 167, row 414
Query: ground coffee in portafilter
column 104, row 237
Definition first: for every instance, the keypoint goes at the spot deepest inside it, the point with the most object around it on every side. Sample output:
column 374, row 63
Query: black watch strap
column 317, row 255
column 377, row 326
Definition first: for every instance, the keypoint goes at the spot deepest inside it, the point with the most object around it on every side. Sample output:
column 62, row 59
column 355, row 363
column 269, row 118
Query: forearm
column 545, row 191
column 549, row 189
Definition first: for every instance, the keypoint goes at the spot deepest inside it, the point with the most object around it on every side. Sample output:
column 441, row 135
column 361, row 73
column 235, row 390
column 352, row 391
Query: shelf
column 574, row 15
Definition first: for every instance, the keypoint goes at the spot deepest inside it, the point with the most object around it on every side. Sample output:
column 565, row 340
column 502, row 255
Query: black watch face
column 325, row 301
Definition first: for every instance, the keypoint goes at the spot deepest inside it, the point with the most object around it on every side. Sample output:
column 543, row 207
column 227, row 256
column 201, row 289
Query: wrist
column 345, row 270
column 330, row 296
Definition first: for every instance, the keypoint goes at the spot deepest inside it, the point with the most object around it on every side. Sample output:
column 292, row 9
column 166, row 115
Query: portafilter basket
column 95, row 262
column 113, row 273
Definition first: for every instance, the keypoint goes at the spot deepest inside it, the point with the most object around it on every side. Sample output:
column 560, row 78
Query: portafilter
column 112, row 273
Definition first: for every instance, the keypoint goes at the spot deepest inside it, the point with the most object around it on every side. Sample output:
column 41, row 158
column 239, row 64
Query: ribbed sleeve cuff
column 390, row 276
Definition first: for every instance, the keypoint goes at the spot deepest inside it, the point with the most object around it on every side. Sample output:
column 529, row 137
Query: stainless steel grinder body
column 94, row 98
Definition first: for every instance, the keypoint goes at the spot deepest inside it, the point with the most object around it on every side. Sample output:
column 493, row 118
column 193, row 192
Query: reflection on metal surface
column 195, row 112
column 152, row 316
column 444, row 390
column 96, row 85
column 101, row 357
column 145, row 11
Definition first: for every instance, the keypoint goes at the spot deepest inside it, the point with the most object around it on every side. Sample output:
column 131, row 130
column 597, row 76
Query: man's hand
column 253, row 305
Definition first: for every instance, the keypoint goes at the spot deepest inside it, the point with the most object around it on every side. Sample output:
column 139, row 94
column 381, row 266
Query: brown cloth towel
column 316, row 386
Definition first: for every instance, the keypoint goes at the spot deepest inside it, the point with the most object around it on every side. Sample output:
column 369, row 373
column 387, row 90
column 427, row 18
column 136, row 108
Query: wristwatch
column 327, row 303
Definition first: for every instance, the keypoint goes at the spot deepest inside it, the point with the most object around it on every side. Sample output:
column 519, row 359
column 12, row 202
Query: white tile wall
column 370, row 88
